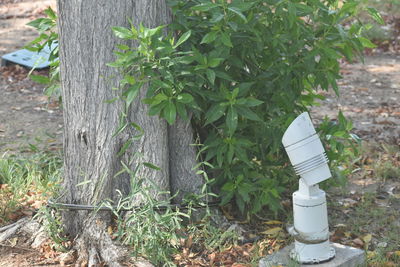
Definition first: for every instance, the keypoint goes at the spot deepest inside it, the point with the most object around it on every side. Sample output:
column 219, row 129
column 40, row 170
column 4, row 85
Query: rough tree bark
column 86, row 45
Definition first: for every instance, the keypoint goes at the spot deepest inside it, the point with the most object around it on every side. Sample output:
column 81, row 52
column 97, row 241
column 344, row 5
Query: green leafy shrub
column 48, row 37
column 241, row 72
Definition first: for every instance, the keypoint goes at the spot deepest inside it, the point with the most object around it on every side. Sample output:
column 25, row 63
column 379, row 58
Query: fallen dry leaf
column 272, row 231
column 38, row 204
column 211, row 257
column 358, row 242
column 110, row 230
column 67, row 258
column 371, row 254
column 272, row 222
column 13, row 241
column 367, row 238
column 189, row 242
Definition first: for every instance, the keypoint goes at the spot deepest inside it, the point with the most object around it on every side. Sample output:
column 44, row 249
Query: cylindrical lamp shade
column 305, row 150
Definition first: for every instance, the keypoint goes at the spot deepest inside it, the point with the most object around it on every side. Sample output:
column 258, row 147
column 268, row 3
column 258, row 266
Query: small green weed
column 26, row 181
column 380, row 160
column 369, row 218
column 51, row 220
column 156, row 229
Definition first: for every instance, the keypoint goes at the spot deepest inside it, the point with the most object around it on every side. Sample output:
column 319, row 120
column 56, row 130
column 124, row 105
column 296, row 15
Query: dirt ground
column 370, row 97
column 26, row 117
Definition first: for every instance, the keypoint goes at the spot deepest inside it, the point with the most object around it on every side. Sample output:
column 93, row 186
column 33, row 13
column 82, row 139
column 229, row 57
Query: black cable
column 69, row 206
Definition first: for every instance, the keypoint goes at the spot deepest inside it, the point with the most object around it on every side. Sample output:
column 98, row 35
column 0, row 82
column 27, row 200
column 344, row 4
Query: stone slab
column 345, row 257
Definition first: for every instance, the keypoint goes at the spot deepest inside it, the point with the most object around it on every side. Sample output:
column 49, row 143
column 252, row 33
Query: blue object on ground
column 28, row 58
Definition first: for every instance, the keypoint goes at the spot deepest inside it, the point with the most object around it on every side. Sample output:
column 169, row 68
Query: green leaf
column 235, row 93
column 231, row 151
column 183, row 38
column 229, row 186
column 241, row 154
column 214, row 62
column 340, row 134
column 120, row 129
column 209, row 37
column 252, row 102
column 226, row 198
column 136, row 127
column 50, row 13
column 231, row 120
column 122, row 33
column 217, row 18
column 204, row 7
column 243, row 190
column 214, row 113
column 238, row 12
column 84, row 182
column 181, row 109
column 185, row 59
column 132, row 92
column 184, row 98
column 224, row 76
column 160, row 84
column 210, row 76
column 199, row 57
column 112, row 100
column 124, row 147
column 226, row 40
column 36, row 23
column 40, row 79
column 169, row 112
column 161, row 97
column 151, row 166
column 154, row 31
column 156, row 109
column 366, row 42
column 375, row 15
column 240, row 202
column 220, row 152
column 303, row 10
column 130, row 79
column 122, row 47
column 247, row 113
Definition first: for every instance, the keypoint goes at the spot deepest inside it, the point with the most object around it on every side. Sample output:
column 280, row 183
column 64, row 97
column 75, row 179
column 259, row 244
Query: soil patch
column 26, row 115
column 370, row 97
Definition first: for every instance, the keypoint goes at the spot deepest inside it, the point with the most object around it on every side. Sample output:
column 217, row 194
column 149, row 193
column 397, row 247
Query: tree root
column 94, row 245
column 96, row 248
column 9, row 230
column 25, row 225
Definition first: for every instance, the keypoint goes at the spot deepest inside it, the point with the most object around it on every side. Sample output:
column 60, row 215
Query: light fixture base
column 345, row 257
column 312, row 253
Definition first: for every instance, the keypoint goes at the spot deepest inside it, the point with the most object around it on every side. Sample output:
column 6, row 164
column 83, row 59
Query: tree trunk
column 90, row 160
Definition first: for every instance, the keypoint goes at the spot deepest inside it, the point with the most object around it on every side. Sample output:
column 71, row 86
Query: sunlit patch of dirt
column 370, row 97
column 383, row 69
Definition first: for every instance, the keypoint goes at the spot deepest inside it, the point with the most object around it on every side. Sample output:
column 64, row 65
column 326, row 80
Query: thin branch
column 18, row 247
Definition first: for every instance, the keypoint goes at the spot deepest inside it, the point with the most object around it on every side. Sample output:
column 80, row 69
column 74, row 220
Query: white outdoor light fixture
column 307, row 155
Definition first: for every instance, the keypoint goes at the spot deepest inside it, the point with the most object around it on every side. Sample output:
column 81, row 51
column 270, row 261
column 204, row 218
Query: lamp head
column 305, row 151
